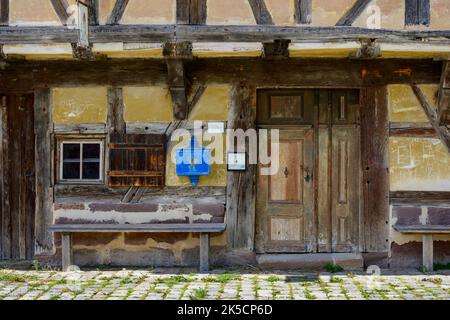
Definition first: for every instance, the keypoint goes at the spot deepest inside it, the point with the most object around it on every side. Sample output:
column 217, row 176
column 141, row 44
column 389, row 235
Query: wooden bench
column 427, row 232
column 204, row 229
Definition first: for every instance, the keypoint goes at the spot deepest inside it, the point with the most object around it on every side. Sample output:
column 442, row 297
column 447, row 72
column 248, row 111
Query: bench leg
column 66, row 248
column 427, row 251
column 204, row 252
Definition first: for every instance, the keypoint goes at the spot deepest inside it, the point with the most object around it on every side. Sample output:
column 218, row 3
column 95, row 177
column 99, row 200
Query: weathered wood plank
column 157, row 227
column 118, row 11
column 427, row 252
column 183, row 7
column 177, row 87
column 303, row 11
column 260, row 12
column 241, row 186
column 442, row 131
column 60, row 7
column 85, row 128
column 4, row 12
column 353, row 13
column 44, row 165
column 420, row 198
column 115, row 116
column 209, row 33
column 424, row 229
column 411, row 129
column 375, row 164
column 3, row 208
column 444, row 95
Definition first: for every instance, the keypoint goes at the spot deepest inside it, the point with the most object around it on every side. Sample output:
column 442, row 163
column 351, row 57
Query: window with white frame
column 81, row 161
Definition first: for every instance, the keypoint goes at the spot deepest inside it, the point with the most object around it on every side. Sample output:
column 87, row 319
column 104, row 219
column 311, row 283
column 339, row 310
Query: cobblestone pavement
column 170, row 284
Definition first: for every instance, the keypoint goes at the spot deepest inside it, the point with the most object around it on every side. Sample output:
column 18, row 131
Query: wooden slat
column 177, row 87
column 353, row 13
column 135, row 173
column 260, row 12
column 4, row 12
column 375, row 164
column 442, row 131
column 204, row 252
column 421, row 229
column 4, row 157
column 44, row 166
column 183, row 7
column 444, row 95
column 303, row 11
column 80, row 128
column 118, row 11
column 60, row 7
column 196, row 228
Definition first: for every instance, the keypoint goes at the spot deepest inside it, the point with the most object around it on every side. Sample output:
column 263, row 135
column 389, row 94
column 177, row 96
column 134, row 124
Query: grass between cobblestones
column 167, row 284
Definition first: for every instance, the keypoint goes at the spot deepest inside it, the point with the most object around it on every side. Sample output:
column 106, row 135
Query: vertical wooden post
column 2, row 108
column 427, row 251
column 204, row 252
column 241, row 186
column 66, row 250
column 375, row 164
column 43, row 128
column 4, row 12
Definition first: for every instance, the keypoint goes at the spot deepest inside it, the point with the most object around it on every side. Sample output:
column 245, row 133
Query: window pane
column 71, row 170
column 91, row 151
column 71, row 151
column 91, row 170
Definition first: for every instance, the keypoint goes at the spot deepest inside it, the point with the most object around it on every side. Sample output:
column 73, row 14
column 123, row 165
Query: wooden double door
column 17, row 174
column 312, row 203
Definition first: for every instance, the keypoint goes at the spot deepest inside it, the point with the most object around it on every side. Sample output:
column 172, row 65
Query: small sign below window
column 236, row 161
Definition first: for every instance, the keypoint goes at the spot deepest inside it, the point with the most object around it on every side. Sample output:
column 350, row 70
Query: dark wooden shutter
column 417, row 12
column 137, row 160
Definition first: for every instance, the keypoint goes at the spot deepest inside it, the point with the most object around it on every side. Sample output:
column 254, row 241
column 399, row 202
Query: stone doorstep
column 310, row 261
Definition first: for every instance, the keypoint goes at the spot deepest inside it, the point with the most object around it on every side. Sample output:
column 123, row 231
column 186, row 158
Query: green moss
column 333, row 268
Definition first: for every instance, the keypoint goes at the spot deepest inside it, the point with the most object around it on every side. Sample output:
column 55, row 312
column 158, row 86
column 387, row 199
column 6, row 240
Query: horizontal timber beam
column 204, row 33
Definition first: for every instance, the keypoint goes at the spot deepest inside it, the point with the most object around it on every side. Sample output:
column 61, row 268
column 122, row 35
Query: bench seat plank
column 195, row 228
column 422, row 229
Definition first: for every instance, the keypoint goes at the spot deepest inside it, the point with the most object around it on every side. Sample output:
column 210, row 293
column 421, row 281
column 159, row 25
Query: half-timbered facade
column 358, row 89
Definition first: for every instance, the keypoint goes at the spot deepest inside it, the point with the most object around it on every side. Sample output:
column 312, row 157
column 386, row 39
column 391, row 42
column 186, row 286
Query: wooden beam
column 241, row 186
column 303, row 11
column 210, row 33
column 442, row 131
column 197, row 12
column 4, row 12
column 60, row 7
column 183, row 7
column 260, row 12
column 93, row 12
column 411, row 129
column 276, row 49
column 375, row 165
column 118, row 11
column 419, row 198
column 353, row 13
column 44, row 167
column 444, row 96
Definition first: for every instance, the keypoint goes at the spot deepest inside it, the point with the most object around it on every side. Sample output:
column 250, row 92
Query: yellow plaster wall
column 404, row 106
column 418, row 164
column 282, row 11
column 440, row 14
column 392, row 14
column 229, row 12
column 80, row 105
column 213, row 105
column 147, row 104
column 33, row 12
column 150, row 12
column 327, row 13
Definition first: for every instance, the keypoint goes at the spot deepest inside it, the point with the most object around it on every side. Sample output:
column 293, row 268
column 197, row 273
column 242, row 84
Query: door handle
column 308, row 175
column 286, row 172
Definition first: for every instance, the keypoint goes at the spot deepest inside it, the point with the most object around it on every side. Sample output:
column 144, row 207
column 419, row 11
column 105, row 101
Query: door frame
column 359, row 243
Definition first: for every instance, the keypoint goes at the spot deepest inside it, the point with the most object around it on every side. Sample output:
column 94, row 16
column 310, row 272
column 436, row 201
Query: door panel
column 285, row 199
column 18, row 178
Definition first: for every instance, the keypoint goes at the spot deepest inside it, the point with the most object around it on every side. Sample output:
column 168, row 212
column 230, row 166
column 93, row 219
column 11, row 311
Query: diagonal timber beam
column 353, row 13
column 118, row 11
column 4, row 12
column 60, row 7
column 444, row 96
column 442, row 131
column 260, row 12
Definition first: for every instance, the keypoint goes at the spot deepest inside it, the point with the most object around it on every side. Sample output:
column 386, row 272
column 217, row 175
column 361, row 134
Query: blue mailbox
column 193, row 162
